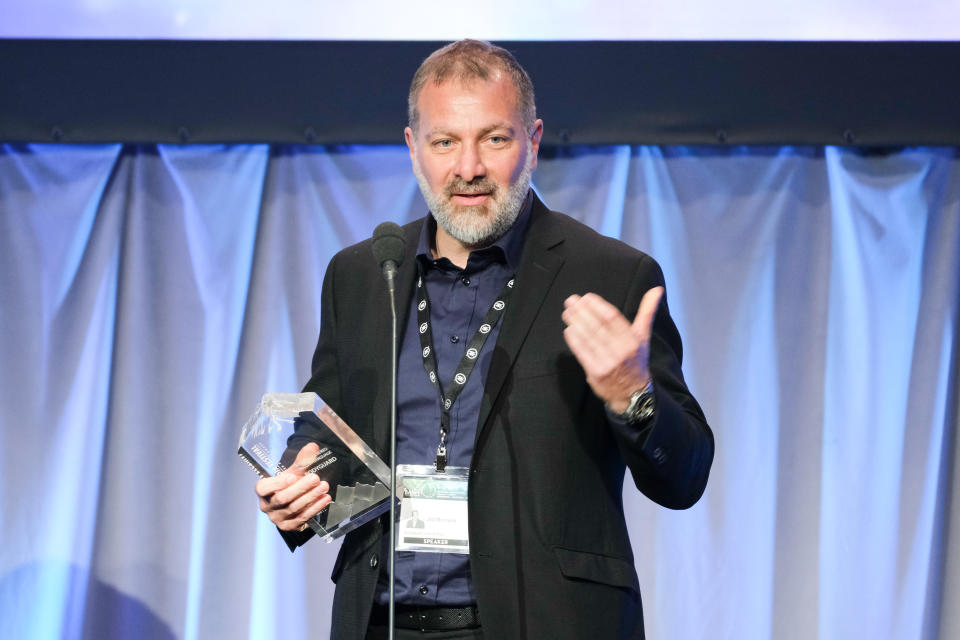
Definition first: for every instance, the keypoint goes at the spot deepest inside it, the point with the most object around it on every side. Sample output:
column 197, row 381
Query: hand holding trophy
column 294, row 496
column 315, row 471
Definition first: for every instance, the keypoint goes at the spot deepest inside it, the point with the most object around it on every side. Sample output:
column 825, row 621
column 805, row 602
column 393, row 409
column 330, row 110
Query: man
column 567, row 391
column 415, row 522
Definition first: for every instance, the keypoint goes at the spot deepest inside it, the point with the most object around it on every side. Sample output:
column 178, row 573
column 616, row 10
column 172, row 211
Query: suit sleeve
column 324, row 381
column 670, row 457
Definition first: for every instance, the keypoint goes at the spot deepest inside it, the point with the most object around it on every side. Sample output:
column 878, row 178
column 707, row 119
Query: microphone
column 389, row 245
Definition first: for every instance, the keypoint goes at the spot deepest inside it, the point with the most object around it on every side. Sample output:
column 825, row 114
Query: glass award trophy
column 359, row 480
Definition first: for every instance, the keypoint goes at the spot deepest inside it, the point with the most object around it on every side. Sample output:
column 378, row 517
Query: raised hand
column 613, row 351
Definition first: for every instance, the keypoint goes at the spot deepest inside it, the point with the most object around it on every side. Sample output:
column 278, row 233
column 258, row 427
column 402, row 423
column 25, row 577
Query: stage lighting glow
column 495, row 20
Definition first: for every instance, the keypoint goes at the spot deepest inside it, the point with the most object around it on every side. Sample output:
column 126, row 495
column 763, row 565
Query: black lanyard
column 467, row 363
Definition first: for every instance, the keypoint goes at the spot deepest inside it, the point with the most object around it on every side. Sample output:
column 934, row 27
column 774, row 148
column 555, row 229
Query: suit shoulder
column 361, row 253
column 587, row 244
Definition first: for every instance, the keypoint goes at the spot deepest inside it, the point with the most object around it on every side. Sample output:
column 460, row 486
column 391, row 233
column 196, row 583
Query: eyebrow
column 500, row 125
column 507, row 127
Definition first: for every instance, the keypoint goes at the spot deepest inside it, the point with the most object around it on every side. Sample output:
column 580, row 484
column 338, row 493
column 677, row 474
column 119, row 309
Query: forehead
column 470, row 101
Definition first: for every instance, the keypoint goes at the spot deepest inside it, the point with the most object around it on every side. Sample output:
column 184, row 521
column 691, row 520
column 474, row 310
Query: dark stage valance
column 834, row 93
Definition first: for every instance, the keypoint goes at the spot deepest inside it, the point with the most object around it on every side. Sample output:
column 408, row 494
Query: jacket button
column 423, row 590
column 374, row 561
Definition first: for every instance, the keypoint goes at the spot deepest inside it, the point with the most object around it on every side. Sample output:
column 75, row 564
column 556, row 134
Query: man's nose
column 470, row 163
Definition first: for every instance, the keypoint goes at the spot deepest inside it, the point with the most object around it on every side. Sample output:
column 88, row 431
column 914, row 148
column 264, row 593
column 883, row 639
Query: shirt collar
column 506, row 248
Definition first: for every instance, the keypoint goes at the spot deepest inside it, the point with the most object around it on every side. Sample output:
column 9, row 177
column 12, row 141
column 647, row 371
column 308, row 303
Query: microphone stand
column 389, row 272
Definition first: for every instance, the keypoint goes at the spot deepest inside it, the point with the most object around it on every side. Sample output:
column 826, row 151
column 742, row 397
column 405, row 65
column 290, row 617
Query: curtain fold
column 150, row 294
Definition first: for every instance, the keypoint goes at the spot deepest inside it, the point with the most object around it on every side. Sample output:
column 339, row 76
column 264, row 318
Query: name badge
column 433, row 509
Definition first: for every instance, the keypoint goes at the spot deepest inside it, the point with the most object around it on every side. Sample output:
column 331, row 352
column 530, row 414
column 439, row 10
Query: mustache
column 479, row 185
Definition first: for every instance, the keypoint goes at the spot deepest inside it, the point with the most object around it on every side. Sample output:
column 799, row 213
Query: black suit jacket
column 549, row 550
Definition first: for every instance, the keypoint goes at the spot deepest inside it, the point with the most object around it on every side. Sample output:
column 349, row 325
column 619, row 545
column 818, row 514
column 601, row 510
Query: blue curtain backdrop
column 150, row 295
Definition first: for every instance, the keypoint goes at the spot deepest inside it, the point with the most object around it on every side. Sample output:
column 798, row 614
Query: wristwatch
column 643, row 404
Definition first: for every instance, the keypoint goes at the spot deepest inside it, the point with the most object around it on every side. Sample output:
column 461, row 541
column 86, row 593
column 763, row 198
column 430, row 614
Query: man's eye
column 497, row 139
column 443, row 144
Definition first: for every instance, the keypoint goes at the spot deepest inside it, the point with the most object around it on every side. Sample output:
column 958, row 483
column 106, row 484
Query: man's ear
column 535, row 141
column 408, row 136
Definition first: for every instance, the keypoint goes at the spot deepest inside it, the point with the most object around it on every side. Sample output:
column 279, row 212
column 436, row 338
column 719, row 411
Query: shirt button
column 465, row 280
column 423, row 590
column 374, row 561
column 454, row 339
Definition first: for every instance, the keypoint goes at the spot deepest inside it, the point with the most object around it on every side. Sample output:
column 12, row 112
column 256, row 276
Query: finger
column 587, row 345
column 278, row 505
column 308, row 498
column 581, row 349
column 590, row 305
column 316, row 507
column 643, row 322
column 268, row 486
column 295, row 522
column 594, row 316
column 598, row 358
column 303, row 485
column 305, row 457
column 600, row 328
column 298, row 468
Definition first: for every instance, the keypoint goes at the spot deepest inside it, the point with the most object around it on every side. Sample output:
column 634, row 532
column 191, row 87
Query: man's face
column 473, row 157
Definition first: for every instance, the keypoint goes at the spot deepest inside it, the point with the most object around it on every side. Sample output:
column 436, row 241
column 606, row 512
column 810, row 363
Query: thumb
column 643, row 322
column 305, row 457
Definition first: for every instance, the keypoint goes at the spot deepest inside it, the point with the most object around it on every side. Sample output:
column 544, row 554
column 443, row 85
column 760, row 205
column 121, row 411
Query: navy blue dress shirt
column 459, row 300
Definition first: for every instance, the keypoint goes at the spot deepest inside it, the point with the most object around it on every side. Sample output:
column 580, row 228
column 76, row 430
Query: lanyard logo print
column 449, row 395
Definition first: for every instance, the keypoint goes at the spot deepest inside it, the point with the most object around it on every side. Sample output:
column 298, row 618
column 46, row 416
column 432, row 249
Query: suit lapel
column 539, row 265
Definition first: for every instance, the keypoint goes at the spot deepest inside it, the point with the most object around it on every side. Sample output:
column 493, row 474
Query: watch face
column 646, row 408
column 642, row 405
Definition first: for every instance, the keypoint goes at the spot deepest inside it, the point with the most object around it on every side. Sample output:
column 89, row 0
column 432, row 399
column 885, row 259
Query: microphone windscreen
column 389, row 243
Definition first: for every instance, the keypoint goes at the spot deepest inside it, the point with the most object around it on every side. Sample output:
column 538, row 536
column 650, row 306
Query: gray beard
column 477, row 226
